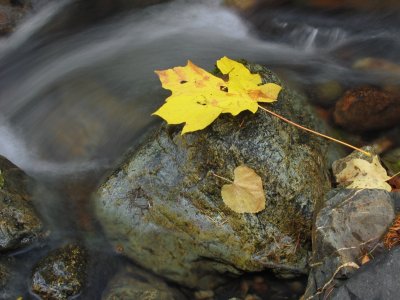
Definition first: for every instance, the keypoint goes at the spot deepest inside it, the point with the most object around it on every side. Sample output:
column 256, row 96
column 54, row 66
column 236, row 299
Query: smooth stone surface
column 350, row 224
column 379, row 279
column 368, row 108
column 133, row 283
column 20, row 225
column 163, row 205
column 61, row 274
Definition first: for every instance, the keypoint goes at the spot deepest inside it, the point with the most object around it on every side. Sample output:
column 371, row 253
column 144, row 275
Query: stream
column 77, row 88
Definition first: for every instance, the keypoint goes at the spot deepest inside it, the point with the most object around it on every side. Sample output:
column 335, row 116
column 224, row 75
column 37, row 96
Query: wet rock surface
column 19, row 223
column 11, row 13
column 367, row 108
column 61, row 274
column 350, row 224
column 8, row 277
column 4, row 275
column 133, row 283
column 164, row 209
column 376, row 280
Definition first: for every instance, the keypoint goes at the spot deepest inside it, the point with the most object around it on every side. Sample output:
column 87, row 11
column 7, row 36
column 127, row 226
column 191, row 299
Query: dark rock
column 377, row 279
column 164, row 208
column 325, row 93
column 19, row 223
column 373, row 64
column 8, row 277
column 61, row 274
column 4, row 276
column 11, row 13
column 392, row 160
column 366, row 5
column 367, row 108
column 133, row 283
column 350, row 225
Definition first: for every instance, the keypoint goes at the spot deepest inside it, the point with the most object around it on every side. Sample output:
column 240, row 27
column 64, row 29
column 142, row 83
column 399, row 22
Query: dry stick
column 345, row 265
column 312, row 131
column 223, row 178
column 398, row 173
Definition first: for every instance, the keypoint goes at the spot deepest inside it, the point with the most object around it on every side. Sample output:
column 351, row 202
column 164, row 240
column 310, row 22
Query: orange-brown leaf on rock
column 246, row 193
column 198, row 97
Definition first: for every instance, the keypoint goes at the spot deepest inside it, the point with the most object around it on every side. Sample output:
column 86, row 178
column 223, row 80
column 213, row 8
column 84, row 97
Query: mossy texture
column 61, row 274
column 164, row 206
column 19, row 222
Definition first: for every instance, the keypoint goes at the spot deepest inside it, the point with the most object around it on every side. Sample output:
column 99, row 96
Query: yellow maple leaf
column 245, row 194
column 198, row 97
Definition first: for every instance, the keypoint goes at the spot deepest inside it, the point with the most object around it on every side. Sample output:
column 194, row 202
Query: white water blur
column 30, row 26
column 126, row 50
column 78, row 101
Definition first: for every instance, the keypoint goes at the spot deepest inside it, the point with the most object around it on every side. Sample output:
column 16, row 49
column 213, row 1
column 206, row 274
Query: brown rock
column 368, row 108
column 10, row 16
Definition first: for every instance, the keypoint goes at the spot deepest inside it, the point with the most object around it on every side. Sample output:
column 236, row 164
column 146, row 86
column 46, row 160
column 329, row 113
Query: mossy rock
column 20, row 224
column 164, row 207
column 61, row 274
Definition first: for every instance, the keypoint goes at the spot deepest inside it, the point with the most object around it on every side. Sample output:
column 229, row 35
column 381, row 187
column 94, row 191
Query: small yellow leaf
column 362, row 174
column 198, row 97
column 245, row 194
column 365, row 259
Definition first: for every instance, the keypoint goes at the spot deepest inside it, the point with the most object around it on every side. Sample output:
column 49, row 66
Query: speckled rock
column 11, row 13
column 20, row 225
column 350, row 225
column 164, row 208
column 61, row 274
column 368, row 108
column 4, row 276
column 133, row 283
column 8, row 276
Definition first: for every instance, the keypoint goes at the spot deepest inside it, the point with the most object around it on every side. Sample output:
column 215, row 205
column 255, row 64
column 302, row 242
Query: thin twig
column 314, row 132
column 220, row 177
column 398, row 173
column 345, row 265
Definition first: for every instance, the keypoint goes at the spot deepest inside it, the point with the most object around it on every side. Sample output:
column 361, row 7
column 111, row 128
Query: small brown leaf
column 246, row 194
column 365, row 259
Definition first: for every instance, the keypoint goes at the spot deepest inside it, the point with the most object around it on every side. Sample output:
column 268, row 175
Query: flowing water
column 77, row 91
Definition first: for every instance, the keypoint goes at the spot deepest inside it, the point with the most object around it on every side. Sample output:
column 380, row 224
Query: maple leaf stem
column 398, row 173
column 220, row 177
column 312, row 131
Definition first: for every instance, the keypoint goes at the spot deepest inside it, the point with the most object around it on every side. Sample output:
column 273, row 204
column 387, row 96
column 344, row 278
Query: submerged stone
column 133, row 283
column 61, row 274
column 163, row 206
column 19, row 223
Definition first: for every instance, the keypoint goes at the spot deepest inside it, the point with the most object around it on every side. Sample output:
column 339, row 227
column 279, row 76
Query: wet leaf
column 362, row 174
column 392, row 236
column 198, row 97
column 365, row 258
column 245, row 194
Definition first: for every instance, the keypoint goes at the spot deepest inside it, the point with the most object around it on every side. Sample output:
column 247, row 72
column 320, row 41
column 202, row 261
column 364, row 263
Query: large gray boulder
column 163, row 207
